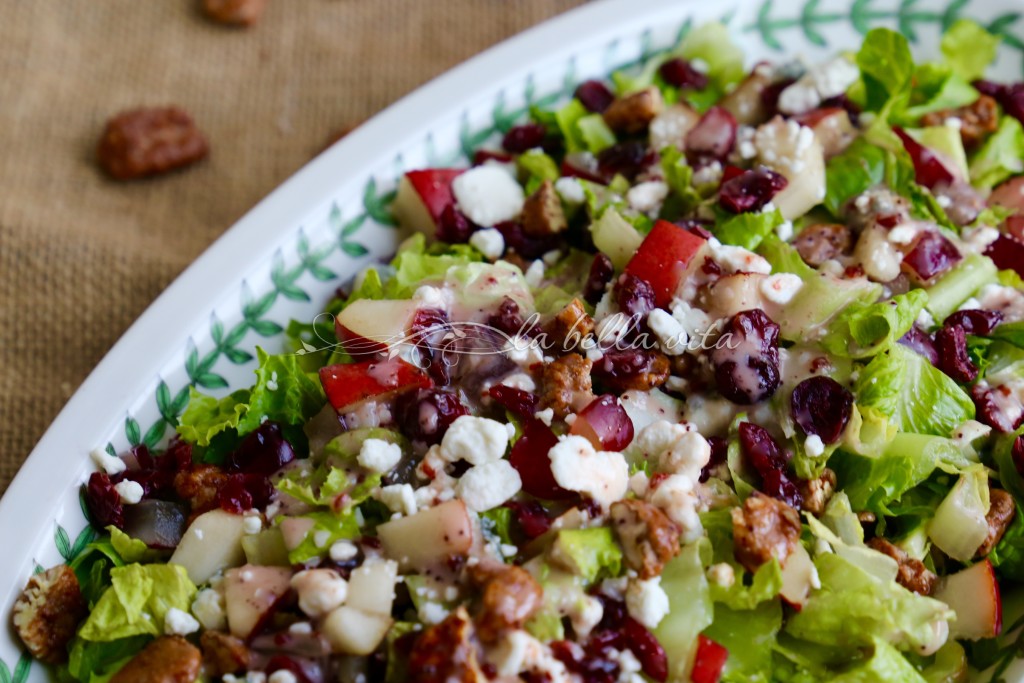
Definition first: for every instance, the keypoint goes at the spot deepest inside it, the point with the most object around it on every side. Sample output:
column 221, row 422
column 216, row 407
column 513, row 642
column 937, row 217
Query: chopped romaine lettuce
column 749, row 636
column 713, row 44
column 869, row 432
column 886, row 66
column 959, row 526
column 969, row 49
column 138, row 601
column 205, row 416
column 97, row 662
column 589, row 553
column 747, row 229
column 864, row 329
column 690, row 609
column 537, row 166
column 861, row 166
column 1001, row 157
column 886, row 665
column 954, row 288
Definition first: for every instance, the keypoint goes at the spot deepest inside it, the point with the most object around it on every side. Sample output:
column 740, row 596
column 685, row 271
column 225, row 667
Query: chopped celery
column 956, row 286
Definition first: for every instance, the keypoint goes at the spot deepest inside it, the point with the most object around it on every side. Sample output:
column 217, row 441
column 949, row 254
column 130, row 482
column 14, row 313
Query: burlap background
column 80, row 256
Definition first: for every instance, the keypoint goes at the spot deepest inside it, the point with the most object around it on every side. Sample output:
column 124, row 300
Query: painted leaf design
column 63, row 543
column 22, row 669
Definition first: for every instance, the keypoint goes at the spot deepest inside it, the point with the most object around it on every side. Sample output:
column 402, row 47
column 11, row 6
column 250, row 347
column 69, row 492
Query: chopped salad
column 710, row 374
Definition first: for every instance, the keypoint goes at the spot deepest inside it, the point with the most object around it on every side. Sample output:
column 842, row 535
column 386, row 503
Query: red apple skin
column 974, row 594
column 348, row 383
column 434, row 186
column 709, row 662
column 1009, row 195
column 605, row 424
column 355, row 345
column 930, row 256
column 663, row 259
column 1007, row 253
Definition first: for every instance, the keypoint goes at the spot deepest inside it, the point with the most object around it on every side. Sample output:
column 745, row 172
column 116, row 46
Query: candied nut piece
column 977, row 120
column 199, row 485
column 447, row 652
column 565, row 383
column 235, row 12
column 912, row 574
column 223, row 653
column 509, row 597
column 542, row 212
column 47, row 613
column 633, row 113
column 149, row 141
column 817, row 492
column 568, row 328
column 819, row 243
column 168, row 659
column 649, row 539
column 762, row 529
column 1000, row 513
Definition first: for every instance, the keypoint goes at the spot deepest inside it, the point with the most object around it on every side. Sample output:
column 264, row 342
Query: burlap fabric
column 81, row 256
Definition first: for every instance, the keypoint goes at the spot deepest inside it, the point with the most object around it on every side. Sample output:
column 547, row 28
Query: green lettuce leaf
column 130, row 549
column 1008, row 555
column 690, row 609
column 205, row 416
column 886, row 665
column 283, row 393
column 936, row 87
column 749, row 636
column 864, row 329
column 784, row 257
column 861, row 166
column 915, row 395
column 417, row 263
column 969, row 49
column 333, row 520
column 679, row 177
column 590, row 552
column 138, row 601
column 567, row 118
column 886, row 66
column 869, row 431
column 713, row 44
column 747, row 229
column 496, row 525
column 1001, row 157
column 97, row 662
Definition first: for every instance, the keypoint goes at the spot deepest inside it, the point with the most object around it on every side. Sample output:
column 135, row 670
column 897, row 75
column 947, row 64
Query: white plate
column 286, row 256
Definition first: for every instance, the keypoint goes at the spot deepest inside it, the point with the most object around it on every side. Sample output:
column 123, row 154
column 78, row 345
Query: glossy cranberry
column 770, row 95
column 1017, row 454
column 988, row 410
column 977, row 321
column 921, row 342
column 103, row 501
column 592, row 664
column 482, row 156
column 761, row 450
column 614, row 613
column 1011, row 97
column 618, row 369
column 719, row 456
column 426, row 414
column 844, row 102
column 530, row 458
column 523, row 138
column 453, row 226
column 746, row 358
column 696, row 227
column 508, row 320
column 427, row 331
column 634, row 296
column 601, row 272
column 233, row 496
column 711, row 267
column 263, row 452
column 646, row 648
column 777, row 484
column 516, row 401
column 954, row 360
column 751, row 190
column 594, row 95
column 821, row 406
column 681, row 74
column 527, row 246
column 627, row 158
column 531, row 516
column 931, row 256
column 155, row 473
column 713, row 137
column 929, row 168
column 1007, row 253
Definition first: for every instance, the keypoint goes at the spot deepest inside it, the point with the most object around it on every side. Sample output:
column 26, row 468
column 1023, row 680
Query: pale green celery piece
column 959, row 284
column 537, row 164
column 749, row 636
column 947, row 142
column 614, row 236
column 588, row 553
column 821, row 298
column 595, row 133
column 869, row 431
column 346, row 446
column 690, row 610
column 866, row 329
column 568, row 118
column 266, row 548
column 886, row 665
column 959, row 526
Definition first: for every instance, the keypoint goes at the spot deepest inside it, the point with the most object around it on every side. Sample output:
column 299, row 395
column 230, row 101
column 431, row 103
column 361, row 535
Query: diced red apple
column 349, row 383
column 930, row 256
column 428, row 538
column 604, row 423
column 930, row 168
column 422, row 196
column 798, row 577
column 1009, row 195
column 709, row 661
column 832, row 127
column 665, row 258
column 529, row 457
column 250, row 592
column 1007, row 253
column 211, row 543
column 369, row 326
column 973, row 593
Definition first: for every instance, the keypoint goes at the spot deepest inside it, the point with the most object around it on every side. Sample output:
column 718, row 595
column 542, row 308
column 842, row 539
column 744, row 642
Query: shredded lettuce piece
column 97, row 662
column 886, row 665
column 538, row 167
column 590, row 552
column 205, row 416
column 130, row 549
column 713, row 44
column 137, row 601
column 969, row 49
column 886, row 66
column 690, row 609
column 863, row 329
column 869, row 431
column 749, row 636
column 1001, row 157
column 747, row 230
column 959, row 526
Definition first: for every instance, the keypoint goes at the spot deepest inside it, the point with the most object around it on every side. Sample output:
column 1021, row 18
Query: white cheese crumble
column 647, row 602
column 179, row 623
column 282, row 676
column 474, row 439
column 488, row 242
column 722, row 574
column 814, row 446
column 570, row 190
column 671, row 336
column 545, row 416
column 739, row 260
column 319, row 591
column 431, row 297
column 647, row 197
column 399, row 498
column 432, row 612
column 379, row 455
column 108, row 463
column 129, row 491
column 781, row 287
column 488, row 195
column 534, row 275
column 576, row 466
column 343, row 550
column 488, row 485
column 251, row 524
column 821, row 82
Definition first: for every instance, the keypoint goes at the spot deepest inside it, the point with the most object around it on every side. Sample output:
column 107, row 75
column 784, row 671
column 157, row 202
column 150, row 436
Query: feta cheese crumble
column 488, row 195
column 576, row 466
column 474, row 439
column 488, row 485
column 488, row 242
column 379, row 455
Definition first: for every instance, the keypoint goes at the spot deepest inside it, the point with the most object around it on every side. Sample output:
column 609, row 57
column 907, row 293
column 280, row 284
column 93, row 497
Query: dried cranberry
column 624, row 158
column 510, row 321
column 977, row 321
column 594, row 95
column 453, row 227
column 527, row 246
column 777, row 484
column 719, row 455
column 696, row 227
column 601, row 272
column 103, row 501
column 427, row 331
column 1007, row 253
column 953, row 357
column 634, row 296
column 713, row 137
column 711, row 267
column 931, row 255
column 614, row 613
column 517, row 401
column 989, row 412
column 233, row 496
column 751, row 190
column 761, row 450
column 618, row 369
column 531, row 516
column 681, row 74
column 523, row 138
column 821, row 406
column 646, row 648
column 530, row 458
column 263, row 452
column 426, row 414
column 1017, row 454
column 770, row 95
column 304, row 670
column 1011, row 97
column 929, row 168
column 482, row 156
column 921, row 342
column 746, row 358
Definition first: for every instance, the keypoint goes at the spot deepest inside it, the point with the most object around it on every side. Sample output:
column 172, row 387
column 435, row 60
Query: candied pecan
column 509, row 596
column 47, row 613
column 150, row 141
column 632, row 369
column 235, row 12
column 762, row 529
column 633, row 113
column 816, row 492
column 542, row 212
column 565, row 383
column 978, row 120
column 1001, row 510
column 447, row 653
column 168, row 659
column 223, row 653
column 912, row 574
column 819, row 243
column 649, row 539
column 199, row 485
column 568, row 328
